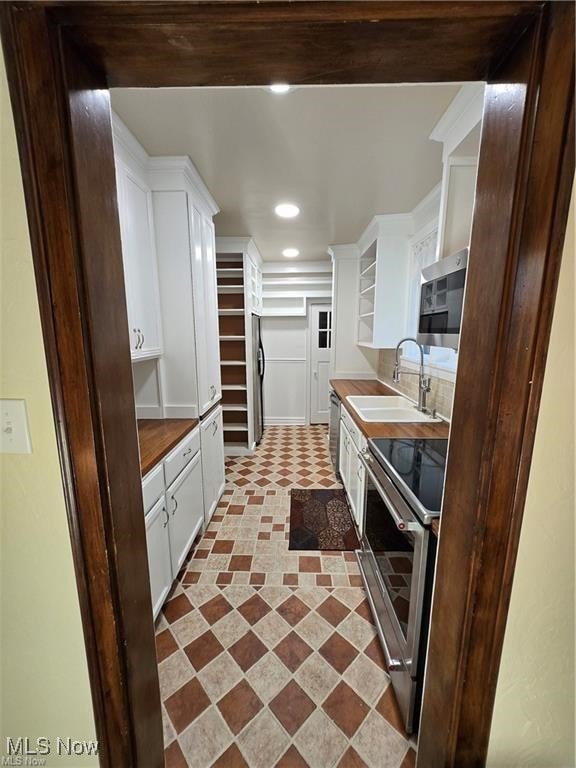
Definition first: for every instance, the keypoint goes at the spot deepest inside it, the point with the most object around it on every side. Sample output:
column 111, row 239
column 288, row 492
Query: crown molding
column 461, row 117
column 342, row 252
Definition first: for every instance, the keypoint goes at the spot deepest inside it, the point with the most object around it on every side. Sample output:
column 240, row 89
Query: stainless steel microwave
column 442, row 301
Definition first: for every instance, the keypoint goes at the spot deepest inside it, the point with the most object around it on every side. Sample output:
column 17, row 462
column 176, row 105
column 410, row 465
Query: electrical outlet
column 14, row 435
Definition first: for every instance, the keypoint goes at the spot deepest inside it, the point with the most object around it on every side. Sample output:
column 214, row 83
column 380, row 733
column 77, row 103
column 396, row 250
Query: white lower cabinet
column 212, row 443
column 186, row 510
column 174, row 515
column 158, row 545
column 352, row 471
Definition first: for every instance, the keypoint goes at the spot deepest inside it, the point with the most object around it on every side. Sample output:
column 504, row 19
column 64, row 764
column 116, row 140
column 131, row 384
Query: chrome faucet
column 423, row 384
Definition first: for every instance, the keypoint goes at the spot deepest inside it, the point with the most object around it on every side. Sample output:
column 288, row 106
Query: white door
column 186, row 509
column 158, row 546
column 320, row 344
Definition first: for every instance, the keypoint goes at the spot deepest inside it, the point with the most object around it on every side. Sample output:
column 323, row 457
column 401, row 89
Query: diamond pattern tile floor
column 268, row 658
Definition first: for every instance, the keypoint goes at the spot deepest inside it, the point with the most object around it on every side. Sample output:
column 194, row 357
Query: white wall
column 533, row 723
column 285, row 379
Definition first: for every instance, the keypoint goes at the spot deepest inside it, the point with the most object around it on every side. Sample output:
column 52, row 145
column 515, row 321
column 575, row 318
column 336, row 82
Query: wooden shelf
column 369, row 289
column 230, row 311
column 230, row 289
column 235, row 427
column 239, row 407
column 367, row 314
column 223, row 337
column 234, row 387
column 233, row 362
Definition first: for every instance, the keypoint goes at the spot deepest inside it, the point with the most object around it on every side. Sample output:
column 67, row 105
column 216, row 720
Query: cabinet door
column 344, row 453
column 353, row 480
column 218, row 447
column 360, row 496
column 185, row 504
column 211, row 310
column 140, row 268
column 200, row 314
column 212, row 442
column 158, row 546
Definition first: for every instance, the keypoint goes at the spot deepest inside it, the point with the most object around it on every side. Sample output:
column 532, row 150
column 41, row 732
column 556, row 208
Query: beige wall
column 533, row 723
column 44, row 682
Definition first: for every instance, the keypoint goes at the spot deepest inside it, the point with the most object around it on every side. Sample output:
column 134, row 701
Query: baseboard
column 237, row 451
column 149, row 412
column 280, row 421
column 180, row 412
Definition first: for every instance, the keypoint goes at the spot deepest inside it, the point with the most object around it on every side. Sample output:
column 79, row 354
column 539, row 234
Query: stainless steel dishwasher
column 334, row 433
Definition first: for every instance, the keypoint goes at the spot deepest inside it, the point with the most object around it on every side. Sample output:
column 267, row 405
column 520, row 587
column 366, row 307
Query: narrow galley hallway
column 268, row 658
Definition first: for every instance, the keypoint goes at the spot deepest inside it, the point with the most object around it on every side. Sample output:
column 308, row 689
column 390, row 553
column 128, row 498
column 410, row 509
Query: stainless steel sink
column 388, row 408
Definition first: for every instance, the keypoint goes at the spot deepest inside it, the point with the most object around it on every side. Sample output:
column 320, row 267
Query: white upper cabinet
column 383, row 282
column 183, row 210
column 138, row 249
column 209, row 375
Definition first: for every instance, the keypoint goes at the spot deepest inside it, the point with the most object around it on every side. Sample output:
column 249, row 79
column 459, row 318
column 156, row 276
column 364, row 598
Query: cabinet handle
column 137, row 345
column 188, row 452
column 359, row 473
column 175, row 505
column 142, row 342
column 215, row 425
column 165, row 523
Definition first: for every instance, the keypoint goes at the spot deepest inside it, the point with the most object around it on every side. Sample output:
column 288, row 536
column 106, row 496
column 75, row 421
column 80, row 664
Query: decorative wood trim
column 528, row 126
column 60, row 57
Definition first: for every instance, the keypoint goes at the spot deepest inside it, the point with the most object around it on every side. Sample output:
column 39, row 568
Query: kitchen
column 254, row 378
column 74, row 499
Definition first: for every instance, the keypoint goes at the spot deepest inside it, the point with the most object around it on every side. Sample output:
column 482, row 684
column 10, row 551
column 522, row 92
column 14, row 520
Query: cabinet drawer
column 152, row 487
column 353, row 429
column 177, row 459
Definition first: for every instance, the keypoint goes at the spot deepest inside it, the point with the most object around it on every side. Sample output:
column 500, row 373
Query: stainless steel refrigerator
column 258, row 366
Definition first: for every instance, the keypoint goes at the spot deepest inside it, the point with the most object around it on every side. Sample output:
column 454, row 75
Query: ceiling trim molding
column 461, row 117
column 342, row 252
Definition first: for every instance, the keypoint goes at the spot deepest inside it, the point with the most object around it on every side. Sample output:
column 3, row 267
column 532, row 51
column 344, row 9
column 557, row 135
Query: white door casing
column 320, row 346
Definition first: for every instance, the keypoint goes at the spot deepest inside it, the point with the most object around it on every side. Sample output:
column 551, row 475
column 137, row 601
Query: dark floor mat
column 320, row 518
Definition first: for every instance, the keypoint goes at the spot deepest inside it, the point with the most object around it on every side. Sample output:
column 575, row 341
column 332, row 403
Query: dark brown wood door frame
column 61, row 58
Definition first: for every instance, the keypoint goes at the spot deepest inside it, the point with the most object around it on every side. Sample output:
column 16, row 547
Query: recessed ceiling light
column 279, row 87
column 287, row 210
column 291, row 253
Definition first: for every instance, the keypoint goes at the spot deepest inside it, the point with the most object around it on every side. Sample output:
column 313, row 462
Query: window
column 325, row 329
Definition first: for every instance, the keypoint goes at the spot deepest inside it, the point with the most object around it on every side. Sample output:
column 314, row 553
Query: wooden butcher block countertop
column 157, row 437
column 345, row 387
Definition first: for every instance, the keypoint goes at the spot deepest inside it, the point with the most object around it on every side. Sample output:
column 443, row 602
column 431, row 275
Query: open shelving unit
column 287, row 287
column 232, row 328
column 366, row 295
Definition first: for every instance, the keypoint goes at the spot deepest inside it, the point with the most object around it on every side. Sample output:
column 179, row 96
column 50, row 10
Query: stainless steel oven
column 442, row 301
column 396, row 562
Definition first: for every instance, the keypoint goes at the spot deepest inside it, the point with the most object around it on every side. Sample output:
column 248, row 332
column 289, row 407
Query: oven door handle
column 401, row 524
column 392, row 664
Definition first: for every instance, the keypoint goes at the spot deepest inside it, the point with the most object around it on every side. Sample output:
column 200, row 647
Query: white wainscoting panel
column 285, row 391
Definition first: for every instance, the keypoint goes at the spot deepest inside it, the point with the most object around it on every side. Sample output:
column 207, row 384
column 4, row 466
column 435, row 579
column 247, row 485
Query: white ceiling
column 343, row 154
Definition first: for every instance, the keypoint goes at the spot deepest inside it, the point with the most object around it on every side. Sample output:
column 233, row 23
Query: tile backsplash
column 441, row 394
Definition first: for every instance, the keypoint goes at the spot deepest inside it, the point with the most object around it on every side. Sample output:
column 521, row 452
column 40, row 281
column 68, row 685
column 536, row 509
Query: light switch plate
column 14, row 435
